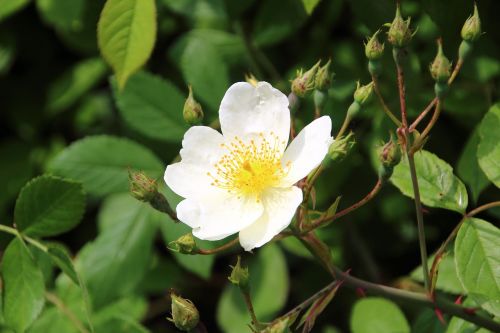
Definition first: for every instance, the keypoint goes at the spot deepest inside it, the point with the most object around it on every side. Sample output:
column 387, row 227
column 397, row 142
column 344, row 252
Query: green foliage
column 488, row 152
column 49, row 206
column 9, row 7
column 23, row 288
column 439, row 187
column 268, row 287
column 447, row 279
column 63, row 15
column 152, row 106
column 477, row 257
column 126, row 34
column 373, row 314
column 101, row 163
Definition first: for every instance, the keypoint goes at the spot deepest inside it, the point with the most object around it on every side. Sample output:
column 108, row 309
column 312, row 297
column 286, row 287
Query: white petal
column 308, row 149
column 200, row 151
column 246, row 110
column 188, row 212
column 279, row 208
column 219, row 219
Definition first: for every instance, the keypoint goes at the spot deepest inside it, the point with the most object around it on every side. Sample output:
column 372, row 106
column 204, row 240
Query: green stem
column 248, row 301
column 16, row 233
column 344, row 127
column 386, row 109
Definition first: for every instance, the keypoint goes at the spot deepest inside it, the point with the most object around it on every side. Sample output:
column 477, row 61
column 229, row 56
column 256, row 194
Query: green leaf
column 427, row 322
column 268, row 289
column 373, row 314
column 153, row 107
column 477, row 258
column 468, row 168
column 49, row 206
column 439, row 187
column 309, row 5
column 23, row 287
column 208, row 74
column 121, row 324
column 126, row 34
column 52, row 320
column 447, row 277
column 64, row 15
column 125, row 241
column 61, row 258
column 102, row 162
column 9, row 7
column 203, row 13
column 74, row 83
column 488, row 152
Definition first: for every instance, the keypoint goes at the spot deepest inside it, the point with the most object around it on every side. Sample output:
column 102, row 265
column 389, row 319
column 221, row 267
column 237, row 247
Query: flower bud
column 280, row 326
column 142, row 187
column 250, row 78
column 239, row 276
column 390, row 156
column 340, row 147
column 192, row 112
column 324, row 77
column 471, row 30
column 353, row 110
column 185, row 316
column 399, row 34
column 363, row 94
column 184, row 244
column 440, row 68
column 304, row 82
column 373, row 48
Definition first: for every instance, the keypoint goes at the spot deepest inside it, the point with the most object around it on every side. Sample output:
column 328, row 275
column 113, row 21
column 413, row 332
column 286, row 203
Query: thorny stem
column 401, row 87
column 52, row 298
column 386, row 109
column 219, row 249
column 327, row 219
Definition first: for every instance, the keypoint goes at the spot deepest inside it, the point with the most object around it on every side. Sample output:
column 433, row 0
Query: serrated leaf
column 9, row 7
column 126, row 34
column 153, row 107
column 468, row 168
column 127, row 242
column 374, row 314
column 439, row 187
column 61, row 258
column 74, row 83
column 477, row 258
column 488, row 151
column 64, row 15
column 49, row 206
column 208, row 74
column 268, row 289
column 102, row 162
column 23, row 287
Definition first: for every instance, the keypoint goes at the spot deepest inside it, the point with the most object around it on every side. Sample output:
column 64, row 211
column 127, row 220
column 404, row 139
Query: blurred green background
column 56, row 89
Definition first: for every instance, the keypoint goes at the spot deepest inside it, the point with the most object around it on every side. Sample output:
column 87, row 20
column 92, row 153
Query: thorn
column 459, row 299
column 360, row 292
column 439, row 315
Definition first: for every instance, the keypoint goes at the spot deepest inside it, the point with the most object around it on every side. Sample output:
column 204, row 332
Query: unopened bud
column 184, row 244
column 304, row 82
column 239, row 276
column 440, row 68
column 390, row 156
column 363, row 94
column 341, row 147
column 280, row 326
column 399, row 34
column 324, row 77
column 142, row 187
column 185, row 316
column 373, row 48
column 192, row 112
column 471, row 30
column 250, row 78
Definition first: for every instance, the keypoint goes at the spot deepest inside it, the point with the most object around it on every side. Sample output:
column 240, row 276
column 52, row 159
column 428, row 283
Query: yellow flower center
column 250, row 168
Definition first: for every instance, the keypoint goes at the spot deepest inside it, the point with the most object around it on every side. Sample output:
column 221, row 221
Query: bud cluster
column 317, row 77
column 340, row 147
column 399, row 34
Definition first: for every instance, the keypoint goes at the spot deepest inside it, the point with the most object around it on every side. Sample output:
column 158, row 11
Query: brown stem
column 327, row 219
column 219, row 249
column 386, row 109
column 401, row 88
column 420, row 140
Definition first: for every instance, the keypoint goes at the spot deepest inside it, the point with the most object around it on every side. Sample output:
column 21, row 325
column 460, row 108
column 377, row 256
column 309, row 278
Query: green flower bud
column 142, row 187
column 390, row 156
column 192, row 112
column 373, row 48
column 304, row 82
column 341, row 147
column 363, row 94
column 471, row 31
column 184, row 244
column 399, row 34
column 185, row 316
column 239, row 276
column 441, row 67
column 324, row 77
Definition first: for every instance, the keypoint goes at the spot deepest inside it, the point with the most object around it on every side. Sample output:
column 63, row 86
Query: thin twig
column 219, row 249
column 386, row 109
column 420, row 140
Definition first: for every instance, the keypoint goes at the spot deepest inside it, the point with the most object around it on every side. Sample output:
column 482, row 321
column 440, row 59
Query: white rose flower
column 243, row 179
